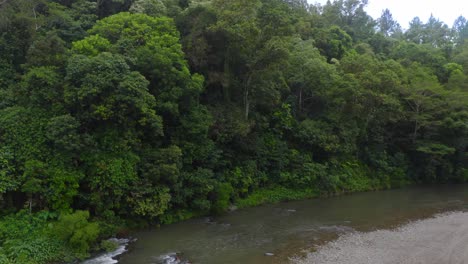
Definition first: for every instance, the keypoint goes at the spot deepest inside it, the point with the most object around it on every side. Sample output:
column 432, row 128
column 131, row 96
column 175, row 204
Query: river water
column 290, row 229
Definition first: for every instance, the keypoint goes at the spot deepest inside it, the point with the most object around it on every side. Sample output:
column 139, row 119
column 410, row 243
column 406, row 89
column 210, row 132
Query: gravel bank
column 439, row 240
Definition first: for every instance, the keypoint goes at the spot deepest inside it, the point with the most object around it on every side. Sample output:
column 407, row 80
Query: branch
column 35, row 18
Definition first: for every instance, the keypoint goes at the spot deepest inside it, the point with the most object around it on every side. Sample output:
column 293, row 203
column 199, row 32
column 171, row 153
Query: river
column 282, row 232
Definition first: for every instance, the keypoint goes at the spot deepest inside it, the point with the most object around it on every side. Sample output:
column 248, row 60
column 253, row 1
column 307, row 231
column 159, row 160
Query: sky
column 405, row 10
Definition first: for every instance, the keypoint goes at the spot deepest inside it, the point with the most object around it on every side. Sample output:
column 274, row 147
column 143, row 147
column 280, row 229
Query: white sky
column 405, row 10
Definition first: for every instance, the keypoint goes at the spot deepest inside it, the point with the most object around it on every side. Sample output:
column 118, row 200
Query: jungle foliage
column 115, row 113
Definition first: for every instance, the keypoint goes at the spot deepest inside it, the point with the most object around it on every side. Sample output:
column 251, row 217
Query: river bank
column 442, row 239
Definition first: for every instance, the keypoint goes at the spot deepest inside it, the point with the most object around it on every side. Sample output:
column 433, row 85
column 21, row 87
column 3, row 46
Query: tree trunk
column 300, row 100
column 246, row 103
column 35, row 18
column 246, row 97
column 416, row 124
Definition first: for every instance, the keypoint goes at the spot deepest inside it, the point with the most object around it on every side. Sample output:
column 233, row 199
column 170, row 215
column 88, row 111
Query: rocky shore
column 442, row 239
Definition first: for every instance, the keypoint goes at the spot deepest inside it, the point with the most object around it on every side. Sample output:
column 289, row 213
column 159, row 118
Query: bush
column 276, row 194
column 109, row 245
column 3, row 258
column 349, row 177
column 304, row 177
column 35, row 250
column 222, row 198
column 24, row 239
column 462, row 176
column 241, row 180
column 178, row 215
column 75, row 230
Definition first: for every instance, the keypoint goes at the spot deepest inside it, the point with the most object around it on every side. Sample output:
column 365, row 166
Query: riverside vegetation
column 117, row 114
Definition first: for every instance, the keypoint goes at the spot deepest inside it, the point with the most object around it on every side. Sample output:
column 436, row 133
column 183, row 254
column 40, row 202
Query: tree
column 24, row 154
column 46, row 51
column 250, row 56
column 460, row 28
column 154, row 43
column 434, row 32
column 103, row 89
column 426, row 54
column 350, row 16
column 204, row 47
column 107, row 8
column 333, row 43
column 415, row 31
column 149, row 7
column 438, row 34
column 387, row 25
column 309, row 76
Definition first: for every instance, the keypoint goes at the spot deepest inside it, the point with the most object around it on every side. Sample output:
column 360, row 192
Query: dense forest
column 116, row 114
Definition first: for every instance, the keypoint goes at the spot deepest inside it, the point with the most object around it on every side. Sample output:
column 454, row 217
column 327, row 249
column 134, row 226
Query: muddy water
column 291, row 229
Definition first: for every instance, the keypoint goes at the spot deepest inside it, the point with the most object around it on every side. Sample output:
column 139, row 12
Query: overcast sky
column 405, row 10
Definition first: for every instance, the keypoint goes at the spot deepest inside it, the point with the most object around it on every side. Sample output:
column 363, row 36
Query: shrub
column 34, row 250
column 222, row 198
column 109, row 245
column 274, row 195
column 3, row 257
column 75, row 230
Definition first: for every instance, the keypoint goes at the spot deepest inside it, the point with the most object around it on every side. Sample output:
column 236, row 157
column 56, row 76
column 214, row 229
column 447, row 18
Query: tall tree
column 387, row 25
column 460, row 28
column 252, row 57
column 351, row 16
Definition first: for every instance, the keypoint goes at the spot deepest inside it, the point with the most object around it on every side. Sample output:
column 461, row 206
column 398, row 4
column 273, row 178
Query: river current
column 305, row 231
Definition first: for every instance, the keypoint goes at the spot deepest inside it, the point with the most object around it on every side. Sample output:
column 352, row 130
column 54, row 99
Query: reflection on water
column 286, row 229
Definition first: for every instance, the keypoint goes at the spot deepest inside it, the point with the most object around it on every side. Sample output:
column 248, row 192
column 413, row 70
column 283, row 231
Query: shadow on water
column 286, row 229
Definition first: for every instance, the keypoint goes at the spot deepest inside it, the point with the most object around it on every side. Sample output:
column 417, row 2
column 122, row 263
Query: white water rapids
column 109, row 258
